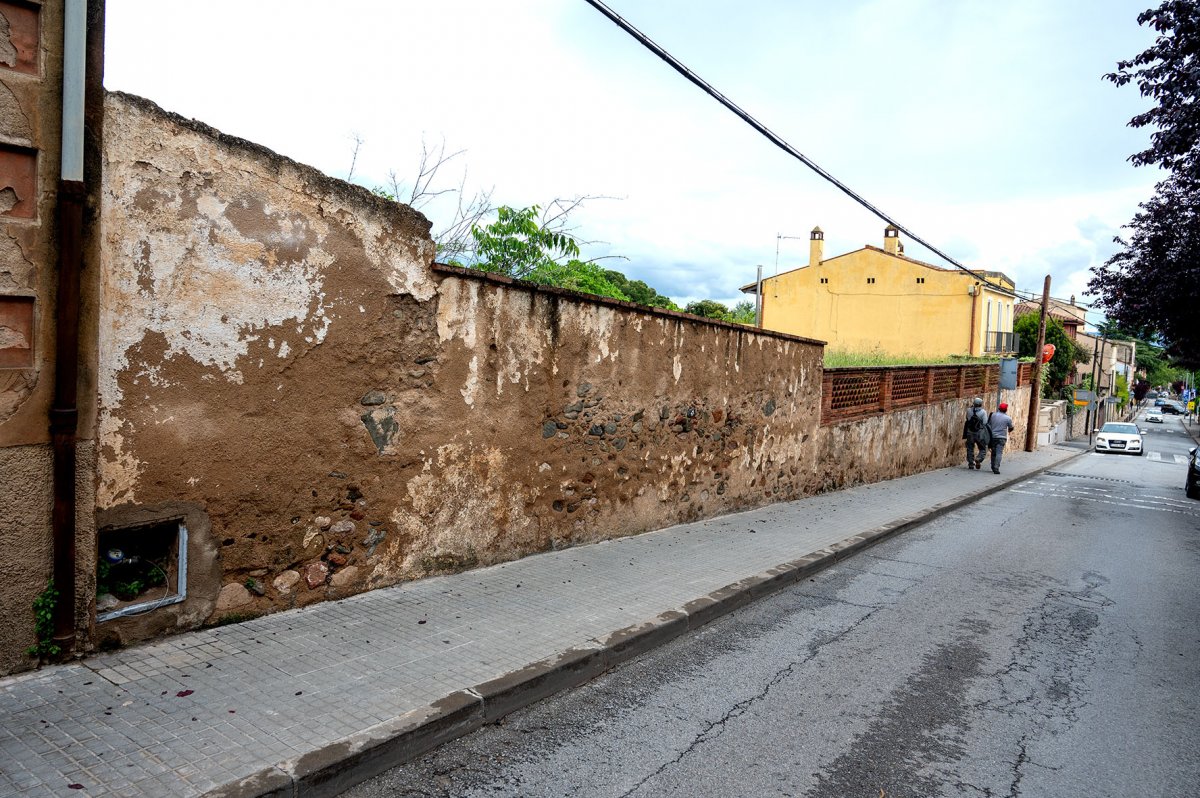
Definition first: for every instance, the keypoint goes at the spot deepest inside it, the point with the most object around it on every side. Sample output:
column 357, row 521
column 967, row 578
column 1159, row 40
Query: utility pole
column 1095, row 392
column 1035, row 390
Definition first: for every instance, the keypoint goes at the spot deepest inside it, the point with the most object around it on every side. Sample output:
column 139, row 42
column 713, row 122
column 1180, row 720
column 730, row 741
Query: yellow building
column 879, row 300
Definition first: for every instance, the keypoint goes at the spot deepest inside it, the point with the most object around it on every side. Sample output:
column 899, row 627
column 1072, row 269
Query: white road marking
column 1141, row 506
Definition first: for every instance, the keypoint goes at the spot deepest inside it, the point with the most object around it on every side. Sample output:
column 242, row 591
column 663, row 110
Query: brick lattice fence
column 854, row 392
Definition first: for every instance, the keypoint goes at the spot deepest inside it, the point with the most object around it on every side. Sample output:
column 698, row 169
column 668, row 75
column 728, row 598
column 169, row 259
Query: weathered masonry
column 291, row 402
column 283, row 370
column 47, row 304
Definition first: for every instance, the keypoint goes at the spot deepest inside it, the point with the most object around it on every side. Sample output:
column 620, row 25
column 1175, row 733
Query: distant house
column 1070, row 315
column 1109, row 358
column 879, row 300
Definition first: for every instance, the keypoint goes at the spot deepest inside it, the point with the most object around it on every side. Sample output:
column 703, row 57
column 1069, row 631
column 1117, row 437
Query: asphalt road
column 1041, row 642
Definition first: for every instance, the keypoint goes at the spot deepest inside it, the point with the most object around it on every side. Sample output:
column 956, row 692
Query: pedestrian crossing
column 1110, row 496
column 1157, row 457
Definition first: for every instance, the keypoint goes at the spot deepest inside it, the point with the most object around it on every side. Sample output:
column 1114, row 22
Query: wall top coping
column 330, row 186
column 579, row 296
column 847, row 369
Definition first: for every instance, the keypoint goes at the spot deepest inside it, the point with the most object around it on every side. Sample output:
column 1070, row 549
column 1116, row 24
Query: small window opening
column 870, row 279
column 140, row 568
column 920, row 279
column 824, row 279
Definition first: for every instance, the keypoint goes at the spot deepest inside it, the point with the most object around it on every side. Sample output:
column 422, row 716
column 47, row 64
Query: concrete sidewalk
column 311, row 701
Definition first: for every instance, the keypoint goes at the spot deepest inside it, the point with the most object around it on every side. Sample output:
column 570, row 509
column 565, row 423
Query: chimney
column 816, row 247
column 1072, row 299
column 891, row 240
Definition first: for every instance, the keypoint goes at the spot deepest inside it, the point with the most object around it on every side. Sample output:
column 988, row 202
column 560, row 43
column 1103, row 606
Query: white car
column 1118, row 437
column 1153, row 416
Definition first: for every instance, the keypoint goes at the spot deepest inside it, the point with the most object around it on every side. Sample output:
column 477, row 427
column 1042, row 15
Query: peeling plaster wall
column 278, row 355
column 282, row 365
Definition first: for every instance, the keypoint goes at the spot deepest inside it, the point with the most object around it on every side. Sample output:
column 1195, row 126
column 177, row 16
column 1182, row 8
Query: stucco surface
column 276, row 351
column 280, row 359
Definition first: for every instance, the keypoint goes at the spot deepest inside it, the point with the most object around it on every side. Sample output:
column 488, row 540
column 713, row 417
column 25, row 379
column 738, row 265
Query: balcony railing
column 1000, row 342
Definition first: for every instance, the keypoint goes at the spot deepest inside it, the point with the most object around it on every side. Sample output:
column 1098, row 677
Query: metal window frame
column 180, row 586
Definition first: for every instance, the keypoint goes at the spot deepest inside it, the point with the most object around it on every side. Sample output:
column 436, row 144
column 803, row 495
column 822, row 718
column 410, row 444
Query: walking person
column 999, row 424
column 975, row 433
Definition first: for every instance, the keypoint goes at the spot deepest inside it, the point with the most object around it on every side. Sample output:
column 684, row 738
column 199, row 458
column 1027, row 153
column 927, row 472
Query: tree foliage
column 1060, row 371
column 1168, row 73
column 742, row 312
column 1152, row 284
column 529, row 245
column 637, row 291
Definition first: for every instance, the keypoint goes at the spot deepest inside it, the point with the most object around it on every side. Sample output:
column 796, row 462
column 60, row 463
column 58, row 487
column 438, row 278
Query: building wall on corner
column 281, row 366
column 893, row 315
column 31, row 36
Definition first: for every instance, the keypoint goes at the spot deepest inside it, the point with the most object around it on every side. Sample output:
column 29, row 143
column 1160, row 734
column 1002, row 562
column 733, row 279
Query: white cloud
column 984, row 127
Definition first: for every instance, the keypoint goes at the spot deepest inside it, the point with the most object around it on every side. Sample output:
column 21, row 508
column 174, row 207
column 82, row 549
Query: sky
column 985, row 128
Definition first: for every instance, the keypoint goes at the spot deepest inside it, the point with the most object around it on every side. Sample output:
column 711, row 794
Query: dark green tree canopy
column 1151, row 286
column 1169, row 73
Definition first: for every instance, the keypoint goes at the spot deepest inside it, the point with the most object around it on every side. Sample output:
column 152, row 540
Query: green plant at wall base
column 43, row 623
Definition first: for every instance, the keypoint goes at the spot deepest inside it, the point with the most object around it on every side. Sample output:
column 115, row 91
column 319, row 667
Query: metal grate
column 1087, row 476
column 855, row 390
column 908, row 387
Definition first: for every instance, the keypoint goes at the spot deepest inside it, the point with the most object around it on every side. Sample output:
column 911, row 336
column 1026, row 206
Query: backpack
column 977, row 427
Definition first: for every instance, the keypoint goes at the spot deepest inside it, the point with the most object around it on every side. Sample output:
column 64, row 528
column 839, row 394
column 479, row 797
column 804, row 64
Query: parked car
column 1174, row 408
column 1192, row 486
column 1153, row 416
column 1116, row 436
column 1159, row 402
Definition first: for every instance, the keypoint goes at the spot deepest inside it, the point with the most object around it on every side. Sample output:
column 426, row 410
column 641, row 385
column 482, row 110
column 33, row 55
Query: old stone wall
column 282, row 368
column 908, row 441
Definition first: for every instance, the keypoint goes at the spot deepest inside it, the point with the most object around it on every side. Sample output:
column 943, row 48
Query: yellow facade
column 879, row 301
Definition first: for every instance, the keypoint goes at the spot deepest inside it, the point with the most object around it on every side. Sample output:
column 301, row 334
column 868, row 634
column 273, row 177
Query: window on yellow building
column 824, row 279
column 870, row 279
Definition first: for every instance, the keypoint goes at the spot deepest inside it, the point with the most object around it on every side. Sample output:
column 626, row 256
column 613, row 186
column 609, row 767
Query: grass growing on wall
column 835, row 358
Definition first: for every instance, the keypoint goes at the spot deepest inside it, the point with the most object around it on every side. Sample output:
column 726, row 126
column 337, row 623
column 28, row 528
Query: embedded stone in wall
column 286, row 581
column 232, row 595
column 381, row 426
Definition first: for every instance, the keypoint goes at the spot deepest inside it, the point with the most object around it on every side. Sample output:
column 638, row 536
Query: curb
column 336, row 767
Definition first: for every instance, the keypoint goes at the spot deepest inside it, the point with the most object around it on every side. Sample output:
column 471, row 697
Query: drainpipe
column 64, row 413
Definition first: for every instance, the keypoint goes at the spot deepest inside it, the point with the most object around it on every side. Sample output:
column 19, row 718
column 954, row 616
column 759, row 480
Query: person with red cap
column 1000, row 425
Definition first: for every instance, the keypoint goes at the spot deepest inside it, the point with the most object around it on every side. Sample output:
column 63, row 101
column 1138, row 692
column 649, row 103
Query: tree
column 639, row 292
column 528, row 244
column 708, row 308
column 1152, row 285
column 452, row 223
column 1061, row 368
column 1168, row 72
column 518, row 243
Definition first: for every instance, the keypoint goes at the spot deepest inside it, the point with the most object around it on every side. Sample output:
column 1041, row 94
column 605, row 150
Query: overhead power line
column 777, row 140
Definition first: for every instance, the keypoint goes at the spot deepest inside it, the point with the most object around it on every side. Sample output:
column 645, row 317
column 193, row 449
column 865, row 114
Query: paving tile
column 53, row 722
